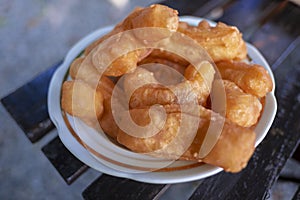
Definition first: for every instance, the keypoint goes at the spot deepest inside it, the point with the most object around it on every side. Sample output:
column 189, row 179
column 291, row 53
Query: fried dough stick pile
column 86, row 71
column 188, row 97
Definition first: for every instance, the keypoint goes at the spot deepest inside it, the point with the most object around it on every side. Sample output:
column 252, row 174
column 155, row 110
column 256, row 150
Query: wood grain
column 68, row 166
column 109, row 187
column 28, row 106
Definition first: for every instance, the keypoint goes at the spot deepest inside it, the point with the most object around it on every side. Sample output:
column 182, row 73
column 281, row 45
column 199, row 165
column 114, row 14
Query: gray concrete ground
column 36, row 34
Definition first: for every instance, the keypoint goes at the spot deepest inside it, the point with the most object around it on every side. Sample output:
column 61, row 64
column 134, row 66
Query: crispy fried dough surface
column 222, row 42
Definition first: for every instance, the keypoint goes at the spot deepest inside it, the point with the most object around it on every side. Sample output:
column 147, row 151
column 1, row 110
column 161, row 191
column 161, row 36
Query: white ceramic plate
column 109, row 158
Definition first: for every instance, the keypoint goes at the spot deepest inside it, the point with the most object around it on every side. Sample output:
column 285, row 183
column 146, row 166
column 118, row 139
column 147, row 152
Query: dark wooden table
column 274, row 28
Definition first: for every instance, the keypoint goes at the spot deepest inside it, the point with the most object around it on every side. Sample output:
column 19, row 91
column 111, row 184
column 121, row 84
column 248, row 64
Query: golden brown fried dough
column 149, row 91
column 165, row 55
column 153, row 16
column 167, row 61
column 127, row 63
column 241, row 108
column 75, row 65
column 89, row 75
column 233, row 148
column 86, row 73
column 222, row 42
column 156, row 15
column 251, row 78
column 81, row 100
column 105, row 87
column 142, row 89
column 201, row 82
column 180, row 127
column 152, row 94
column 163, row 71
column 107, row 121
column 161, row 139
column 231, row 151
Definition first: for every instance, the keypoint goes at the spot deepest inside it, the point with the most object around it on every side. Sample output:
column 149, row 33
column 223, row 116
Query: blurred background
column 36, row 34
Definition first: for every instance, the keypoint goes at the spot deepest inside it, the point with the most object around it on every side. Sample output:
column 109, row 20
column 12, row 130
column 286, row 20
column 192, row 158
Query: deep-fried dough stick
column 142, row 89
column 161, row 139
column 241, row 108
column 161, row 75
column 252, row 78
column 107, row 121
column 232, row 151
column 158, row 53
column 90, row 75
column 201, row 82
column 146, row 91
column 81, row 100
column 167, row 58
column 222, row 42
column 153, row 16
column 105, row 86
column 235, row 144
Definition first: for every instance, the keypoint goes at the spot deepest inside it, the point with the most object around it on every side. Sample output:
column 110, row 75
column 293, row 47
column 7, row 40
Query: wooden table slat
column 109, row 187
column 274, row 37
column 28, row 106
column 68, row 166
